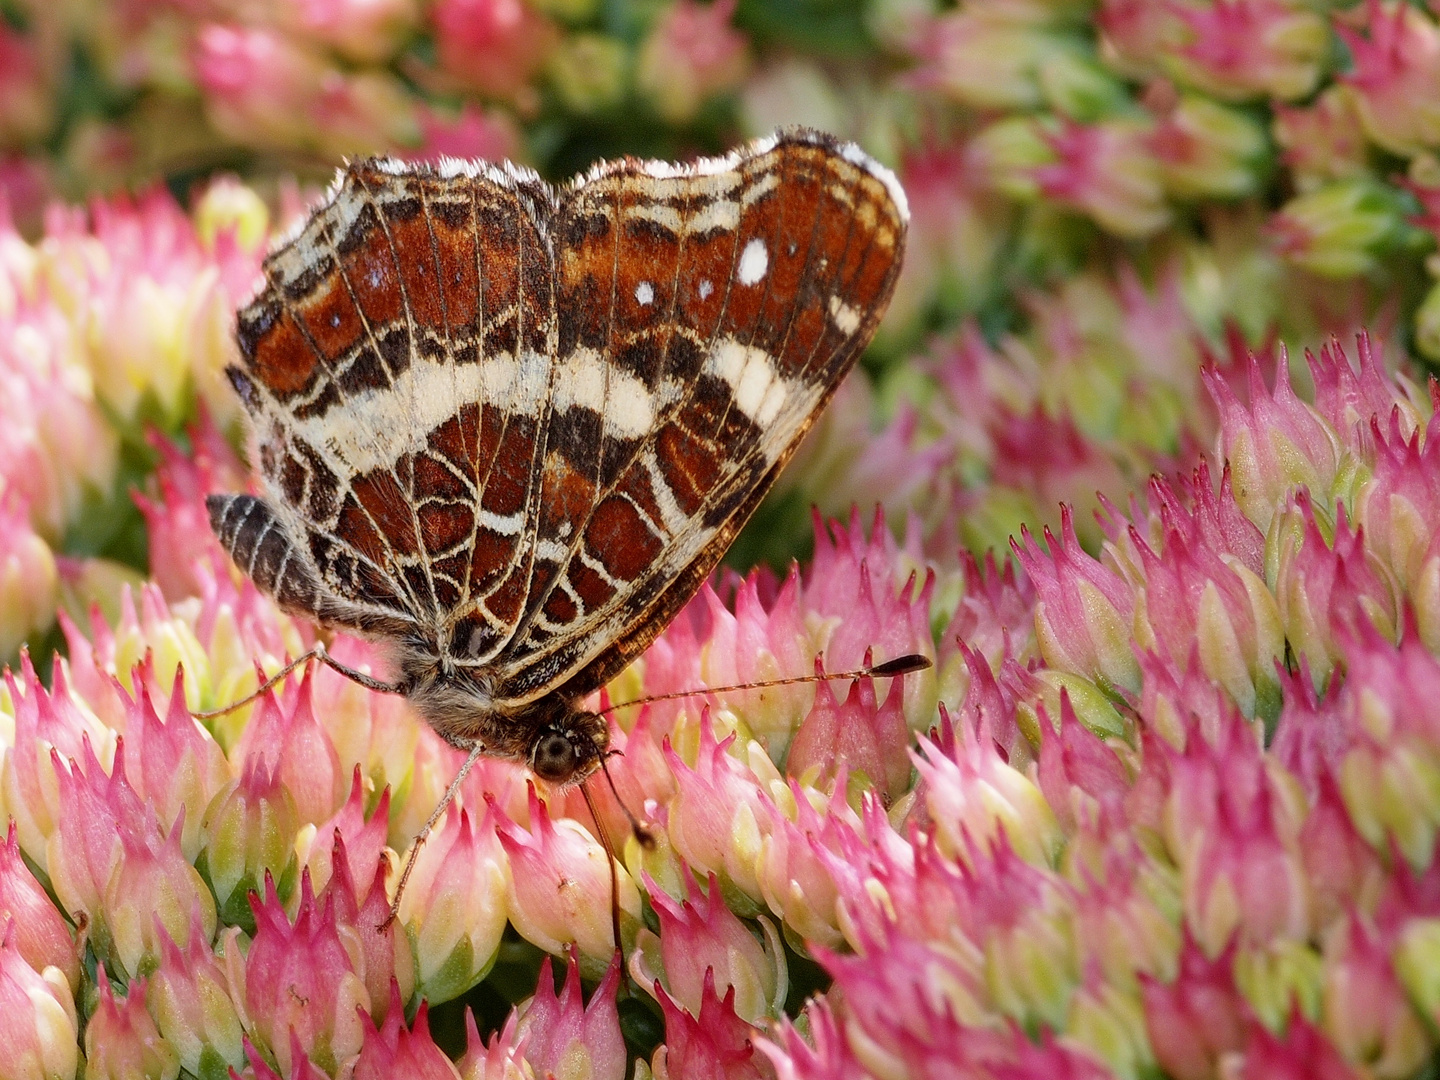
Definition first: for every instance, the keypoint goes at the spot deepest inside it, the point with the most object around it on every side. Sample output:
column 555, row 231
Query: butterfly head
column 568, row 748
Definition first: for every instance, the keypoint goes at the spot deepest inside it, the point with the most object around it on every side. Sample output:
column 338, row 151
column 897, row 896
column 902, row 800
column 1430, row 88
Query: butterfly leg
column 476, row 749
column 316, row 653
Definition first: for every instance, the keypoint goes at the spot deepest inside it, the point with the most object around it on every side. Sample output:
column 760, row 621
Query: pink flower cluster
column 1171, row 807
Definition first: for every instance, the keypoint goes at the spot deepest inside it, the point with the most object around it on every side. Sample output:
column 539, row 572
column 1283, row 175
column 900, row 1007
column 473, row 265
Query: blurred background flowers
column 1145, row 458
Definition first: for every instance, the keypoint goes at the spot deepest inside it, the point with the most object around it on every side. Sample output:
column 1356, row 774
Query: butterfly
column 507, row 430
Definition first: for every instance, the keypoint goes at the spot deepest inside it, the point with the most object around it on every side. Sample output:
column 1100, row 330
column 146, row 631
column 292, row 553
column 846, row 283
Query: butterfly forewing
column 518, row 427
column 721, row 310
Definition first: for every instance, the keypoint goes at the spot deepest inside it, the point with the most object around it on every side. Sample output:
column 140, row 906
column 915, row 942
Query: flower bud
column 286, row 732
column 703, row 936
column 717, row 816
column 1084, row 610
column 28, row 579
column 1241, row 49
column 1207, row 150
column 39, row 1032
column 1395, row 75
column 40, row 935
column 562, row 1036
column 691, row 54
column 975, row 797
column 122, row 1042
column 1108, row 171
column 249, row 834
column 392, row 1050
column 1344, row 228
column 454, row 906
column 1324, row 140
column 1198, row 1017
column 300, row 978
column 559, row 885
column 191, row 999
column 715, row 1042
column 493, row 46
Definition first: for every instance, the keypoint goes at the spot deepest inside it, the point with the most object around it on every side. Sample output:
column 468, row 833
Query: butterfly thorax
column 559, row 741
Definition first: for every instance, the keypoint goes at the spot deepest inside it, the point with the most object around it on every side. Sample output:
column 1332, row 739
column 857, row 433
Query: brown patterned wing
column 705, row 316
column 397, row 369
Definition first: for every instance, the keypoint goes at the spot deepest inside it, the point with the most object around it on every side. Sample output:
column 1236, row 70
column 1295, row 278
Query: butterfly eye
column 554, row 757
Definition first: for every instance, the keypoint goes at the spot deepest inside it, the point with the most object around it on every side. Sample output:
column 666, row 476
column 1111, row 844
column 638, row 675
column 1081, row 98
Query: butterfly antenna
column 642, row 835
column 901, row 665
column 614, row 873
column 423, row 834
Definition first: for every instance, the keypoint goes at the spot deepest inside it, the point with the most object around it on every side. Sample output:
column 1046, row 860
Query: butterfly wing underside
column 522, row 426
column 719, row 307
column 396, row 368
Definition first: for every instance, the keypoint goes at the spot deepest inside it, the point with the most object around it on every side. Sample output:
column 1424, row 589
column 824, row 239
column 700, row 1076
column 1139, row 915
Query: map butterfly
column 508, row 430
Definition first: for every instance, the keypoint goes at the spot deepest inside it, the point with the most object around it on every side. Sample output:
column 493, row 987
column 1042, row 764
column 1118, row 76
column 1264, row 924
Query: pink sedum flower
column 502, row 1058
column 1241, row 49
column 39, row 1031
column 493, row 46
column 49, row 725
column 1192, row 597
column 366, row 31
column 1109, row 172
column 1196, row 1017
column 558, row 889
column 380, row 946
column 563, row 1037
column 1301, row 1053
column 1276, row 444
column 249, row 832
column 1396, row 75
column 1398, row 507
column 454, row 905
column 392, row 1050
column 362, row 839
column 122, row 1041
column 1326, row 589
column 1084, row 609
column 1323, row 140
column 711, row 1044
column 470, row 133
column 29, row 581
column 177, row 523
column 299, row 977
column 793, row 868
column 1232, row 831
column 173, row 763
column 974, row 796
column 1207, row 150
column 39, row 933
column 691, row 54
column 194, row 1004
column 284, row 730
column 718, row 815
column 1367, row 1015
column 872, row 595
column 264, row 89
column 870, row 741
column 702, row 936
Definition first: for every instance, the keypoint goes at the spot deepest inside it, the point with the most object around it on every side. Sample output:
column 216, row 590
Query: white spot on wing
column 586, row 380
column 845, row 317
column 706, row 288
column 759, row 391
column 754, row 261
column 644, row 293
